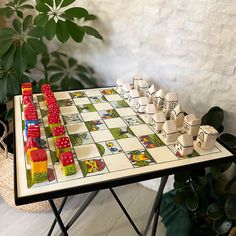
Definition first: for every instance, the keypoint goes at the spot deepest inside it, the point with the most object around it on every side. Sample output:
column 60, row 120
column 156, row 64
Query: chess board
column 109, row 141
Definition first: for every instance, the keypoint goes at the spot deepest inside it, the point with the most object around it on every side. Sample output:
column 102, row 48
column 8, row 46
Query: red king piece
column 59, row 130
column 38, row 155
column 67, row 158
column 63, row 142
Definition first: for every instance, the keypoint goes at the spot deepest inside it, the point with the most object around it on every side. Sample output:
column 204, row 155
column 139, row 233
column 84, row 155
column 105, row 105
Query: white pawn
column 151, row 94
column 143, row 88
column 184, row 145
column 159, row 99
column 158, row 120
column 169, row 131
column 149, row 112
column 119, row 84
column 177, row 115
column 133, row 98
column 142, row 103
column 192, row 124
column 126, row 88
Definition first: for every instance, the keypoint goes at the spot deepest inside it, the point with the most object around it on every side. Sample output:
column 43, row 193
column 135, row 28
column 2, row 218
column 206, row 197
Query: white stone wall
column 186, row 46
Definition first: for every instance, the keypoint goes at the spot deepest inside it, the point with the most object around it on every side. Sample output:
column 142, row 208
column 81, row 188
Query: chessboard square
column 65, row 102
column 151, row 141
column 108, row 114
column 80, row 139
column 114, row 123
column 68, row 110
column 42, row 104
column 119, row 104
column 117, row 162
column 62, row 95
column 108, row 91
column 51, row 144
column 162, row 154
column 90, row 116
column 86, row 151
column 140, row 130
column 102, row 135
column 205, row 152
column 97, row 99
column 77, row 94
column 61, row 177
column 109, row 147
column 140, row 158
column 114, row 97
column 126, row 111
column 95, row 125
column 86, row 108
column 130, row 144
column 93, row 93
column 81, row 101
column 122, row 132
column 133, row 120
column 72, row 118
column 76, row 128
column 103, row 106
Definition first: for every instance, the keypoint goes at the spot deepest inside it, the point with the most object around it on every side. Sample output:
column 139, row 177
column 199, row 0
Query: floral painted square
column 65, row 102
column 93, row 167
column 95, row 125
column 97, row 99
column 151, row 141
column 108, row 114
column 122, row 132
column 140, row 158
column 80, row 139
column 40, row 98
column 72, row 118
column 119, row 104
column 108, row 148
column 86, row 108
column 108, row 91
column 78, row 94
column 133, row 120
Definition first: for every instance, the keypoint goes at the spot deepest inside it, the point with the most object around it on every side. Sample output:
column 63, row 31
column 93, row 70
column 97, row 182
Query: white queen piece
column 119, row 84
column 192, row 124
column 158, row 120
column 149, row 112
column 169, row 131
column 207, row 136
column 143, row 87
column 126, row 88
column 151, row 93
column 136, row 80
column 142, row 103
column 159, row 99
column 184, row 145
column 170, row 102
column 177, row 115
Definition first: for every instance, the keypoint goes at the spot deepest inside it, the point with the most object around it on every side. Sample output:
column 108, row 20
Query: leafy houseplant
column 24, row 45
column 202, row 201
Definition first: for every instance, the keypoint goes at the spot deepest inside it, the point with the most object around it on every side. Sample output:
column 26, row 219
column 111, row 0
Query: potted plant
column 203, row 201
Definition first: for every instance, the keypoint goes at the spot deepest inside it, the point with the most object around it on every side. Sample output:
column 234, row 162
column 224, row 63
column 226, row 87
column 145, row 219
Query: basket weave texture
column 7, row 181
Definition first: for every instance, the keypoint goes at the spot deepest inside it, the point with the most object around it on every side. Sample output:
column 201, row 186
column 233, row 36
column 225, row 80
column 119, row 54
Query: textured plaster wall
column 186, row 46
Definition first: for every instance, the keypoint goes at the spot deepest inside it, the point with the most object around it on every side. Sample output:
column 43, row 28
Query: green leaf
column 7, row 32
column 90, row 17
column 13, row 86
column 75, row 84
column 29, row 54
column 62, row 31
column 58, row 2
column 41, row 7
column 37, row 45
column 66, row 3
column 76, row 32
column 56, row 77
column 230, row 207
column 41, row 19
column 93, row 32
column 49, row 2
column 17, row 26
column 4, row 47
column 27, row 21
column 83, row 69
column 6, row 11
column 19, row 13
column 66, row 17
column 181, row 178
column 19, row 63
column 54, row 68
column 9, row 114
column 215, row 211
column 3, row 90
column 77, row 12
column 8, row 58
column 37, row 32
column 51, row 29
column 72, row 62
column 24, row 78
column 60, row 63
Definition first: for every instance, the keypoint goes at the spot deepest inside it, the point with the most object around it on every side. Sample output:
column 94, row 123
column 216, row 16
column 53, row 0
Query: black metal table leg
column 58, row 218
column 59, row 212
column 124, row 210
column 156, row 202
column 156, row 216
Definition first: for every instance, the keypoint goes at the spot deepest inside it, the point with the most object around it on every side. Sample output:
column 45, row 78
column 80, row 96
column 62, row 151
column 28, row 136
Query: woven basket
column 7, row 182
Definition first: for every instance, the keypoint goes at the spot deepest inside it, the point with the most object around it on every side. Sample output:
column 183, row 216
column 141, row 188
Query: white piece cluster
column 163, row 111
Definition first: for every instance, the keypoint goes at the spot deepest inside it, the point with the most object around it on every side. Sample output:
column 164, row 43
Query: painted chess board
column 108, row 138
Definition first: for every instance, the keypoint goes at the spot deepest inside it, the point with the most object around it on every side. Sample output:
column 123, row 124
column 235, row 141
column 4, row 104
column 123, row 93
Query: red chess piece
column 59, row 130
column 38, row 155
column 67, row 158
column 63, row 142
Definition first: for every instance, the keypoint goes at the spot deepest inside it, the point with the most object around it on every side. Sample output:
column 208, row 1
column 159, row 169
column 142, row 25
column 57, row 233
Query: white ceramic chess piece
column 158, row 120
column 169, row 131
column 159, row 99
column 151, row 94
column 149, row 112
column 177, row 115
column 170, row 102
column 184, row 145
column 192, row 124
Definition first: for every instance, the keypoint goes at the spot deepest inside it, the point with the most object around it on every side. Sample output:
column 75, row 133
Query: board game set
column 70, row 138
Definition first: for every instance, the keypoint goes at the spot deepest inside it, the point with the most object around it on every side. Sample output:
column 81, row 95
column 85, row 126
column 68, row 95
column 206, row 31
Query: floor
column 103, row 217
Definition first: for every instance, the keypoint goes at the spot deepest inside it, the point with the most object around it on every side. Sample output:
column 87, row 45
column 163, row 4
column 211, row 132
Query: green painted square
column 121, row 133
column 151, row 141
column 80, row 139
column 86, row 108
